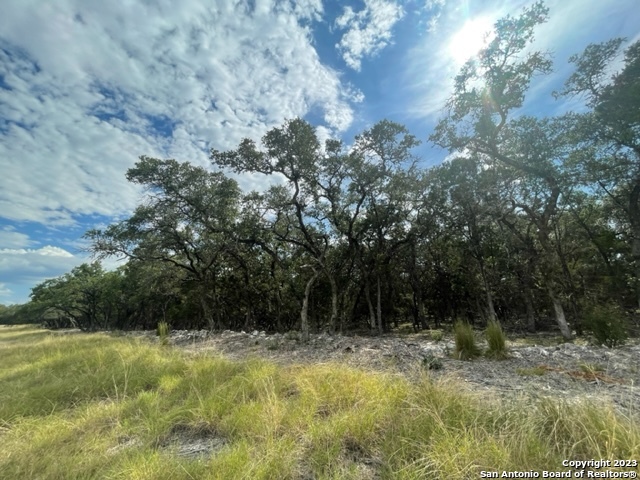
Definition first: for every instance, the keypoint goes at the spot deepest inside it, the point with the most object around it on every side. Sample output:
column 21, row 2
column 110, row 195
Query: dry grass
column 94, row 406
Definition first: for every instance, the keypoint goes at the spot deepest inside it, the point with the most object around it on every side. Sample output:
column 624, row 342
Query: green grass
column 437, row 335
column 94, row 406
column 496, row 340
column 533, row 371
column 163, row 333
column 466, row 348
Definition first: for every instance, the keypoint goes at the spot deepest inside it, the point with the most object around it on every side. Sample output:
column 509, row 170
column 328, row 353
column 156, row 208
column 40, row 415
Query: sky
column 87, row 86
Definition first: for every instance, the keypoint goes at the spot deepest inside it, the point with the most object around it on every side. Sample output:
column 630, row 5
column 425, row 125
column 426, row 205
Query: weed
column 437, row 335
column 272, row 345
column 163, row 332
column 466, row 347
column 533, row 371
column 496, row 340
column 591, row 368
column 292, row 335
column 431, row 362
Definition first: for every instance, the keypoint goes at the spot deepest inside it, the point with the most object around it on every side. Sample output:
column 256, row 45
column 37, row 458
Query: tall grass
column 466, row 348
column 496, row 340
column 94, row 406
column 163, row 332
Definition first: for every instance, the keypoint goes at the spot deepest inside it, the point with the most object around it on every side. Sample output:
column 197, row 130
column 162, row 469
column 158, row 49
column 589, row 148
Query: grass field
column 86, row 406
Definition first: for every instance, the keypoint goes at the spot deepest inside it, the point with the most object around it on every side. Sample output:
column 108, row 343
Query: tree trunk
column 380, row 329
column 419, row 318
column 372, row 314
column 490, row 307
column 634, row 219
column 491, row 311
column 531, row 316
column 304, row 313
column 635, row 252
column 559, row 313
column 334, row 304
column 206, row 313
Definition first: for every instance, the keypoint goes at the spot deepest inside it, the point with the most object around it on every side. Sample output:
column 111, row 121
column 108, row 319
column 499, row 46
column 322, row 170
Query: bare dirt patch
column 192, row 442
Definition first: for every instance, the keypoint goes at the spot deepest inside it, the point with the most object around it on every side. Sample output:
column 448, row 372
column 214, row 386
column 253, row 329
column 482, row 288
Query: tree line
column 532, row 221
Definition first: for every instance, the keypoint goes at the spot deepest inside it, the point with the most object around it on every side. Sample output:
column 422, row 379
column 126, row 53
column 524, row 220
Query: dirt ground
column 538, row 365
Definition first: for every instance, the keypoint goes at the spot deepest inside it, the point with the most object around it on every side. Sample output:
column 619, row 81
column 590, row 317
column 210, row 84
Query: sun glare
column 468, row 41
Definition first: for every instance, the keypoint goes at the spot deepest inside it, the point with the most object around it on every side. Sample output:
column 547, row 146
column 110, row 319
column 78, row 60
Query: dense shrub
column 607, row 324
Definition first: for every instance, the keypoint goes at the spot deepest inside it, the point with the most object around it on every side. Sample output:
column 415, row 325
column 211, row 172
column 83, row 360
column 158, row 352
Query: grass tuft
column 95, row 406
column 497, row 341
column 163, row 332
column 437, row 335
column 533, row 371
column 466, row 348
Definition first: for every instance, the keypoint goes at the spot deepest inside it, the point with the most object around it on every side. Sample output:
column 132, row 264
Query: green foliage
column 163, row 332
column 20, row 314
column 365, row 235
column 272, row 345
column 293, row 335
column 436, row 335
column 496, row 340
column 431, row 362
column 86, row 298
column 466, row 348
column 607, row 324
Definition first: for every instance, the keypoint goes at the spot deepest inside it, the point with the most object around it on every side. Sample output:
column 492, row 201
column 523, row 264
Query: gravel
column 573, row 371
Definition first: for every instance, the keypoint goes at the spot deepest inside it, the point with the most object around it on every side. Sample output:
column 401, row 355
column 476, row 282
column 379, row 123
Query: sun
column 468, row 41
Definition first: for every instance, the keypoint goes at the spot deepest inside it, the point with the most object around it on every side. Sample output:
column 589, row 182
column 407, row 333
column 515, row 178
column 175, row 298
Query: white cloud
column 368, row 31
column 87, row 81
column 434, row 9
column 10, row 238
column 22, row 263
column 22, row 268
column 5, row 291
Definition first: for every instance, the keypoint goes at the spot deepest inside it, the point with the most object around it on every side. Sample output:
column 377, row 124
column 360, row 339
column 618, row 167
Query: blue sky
column 87, row 86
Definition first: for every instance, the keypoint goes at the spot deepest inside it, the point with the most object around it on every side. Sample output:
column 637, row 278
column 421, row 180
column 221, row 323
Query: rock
column 562, row 375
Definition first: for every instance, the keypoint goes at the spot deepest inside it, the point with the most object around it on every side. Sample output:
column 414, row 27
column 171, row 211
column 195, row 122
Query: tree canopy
column 531, row 221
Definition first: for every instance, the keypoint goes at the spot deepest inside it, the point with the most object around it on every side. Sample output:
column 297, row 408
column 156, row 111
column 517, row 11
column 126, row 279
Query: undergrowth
column 94, row 406
column 163, row 331
column 607, row 324
column 466, row 348
column 496, row 340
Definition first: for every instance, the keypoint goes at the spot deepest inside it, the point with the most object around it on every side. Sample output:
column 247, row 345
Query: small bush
column 163, row 333
column 293, row 335
column 606, row 323
column 431, row 362
column 496, row 340
column 272, row 345
column 466, row 347
column 437, row 335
